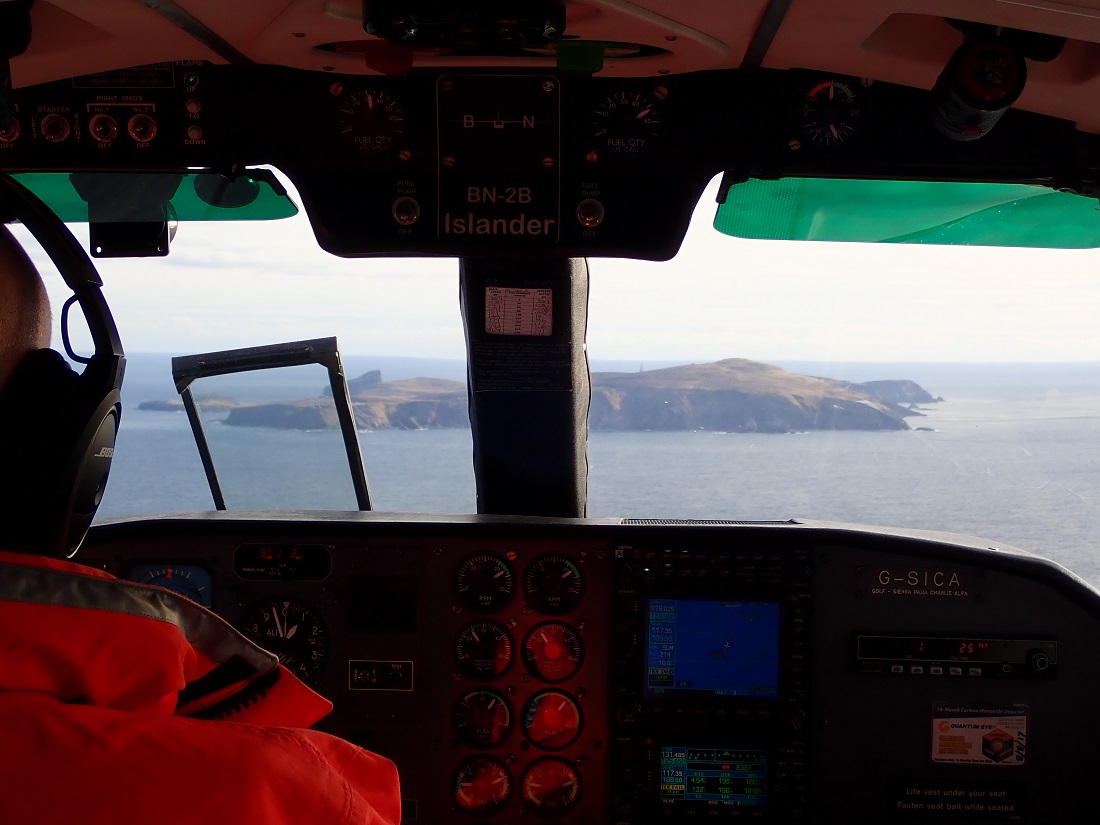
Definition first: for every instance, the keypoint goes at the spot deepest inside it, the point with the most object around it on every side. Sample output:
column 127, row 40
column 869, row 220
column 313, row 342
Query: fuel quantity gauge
column 482, row 718
column 626, row 124
column 830, row 112
column 373, row 121
column 552, row 719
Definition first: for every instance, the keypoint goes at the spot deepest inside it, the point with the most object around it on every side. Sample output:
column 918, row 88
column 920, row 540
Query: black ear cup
column 60, row 429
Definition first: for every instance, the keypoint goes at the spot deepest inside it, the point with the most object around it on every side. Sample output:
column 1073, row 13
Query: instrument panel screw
column 548, row 162
column 794, row 145
column 336, row 88
column 866, row 82
column 660, row 92
column 548, row 85
column 404, row 154
column 592, row 157
column 448, row 161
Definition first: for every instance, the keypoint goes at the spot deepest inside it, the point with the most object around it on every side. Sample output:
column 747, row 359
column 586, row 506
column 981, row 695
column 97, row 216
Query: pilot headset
column 58, row 426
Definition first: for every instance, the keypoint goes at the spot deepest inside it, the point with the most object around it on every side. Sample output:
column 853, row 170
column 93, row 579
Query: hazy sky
column 244, row 284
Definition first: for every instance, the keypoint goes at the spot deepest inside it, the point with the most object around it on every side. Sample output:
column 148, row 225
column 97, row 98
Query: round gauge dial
column 551, row 787
column 552, row 719
column 290, row 629
column 482, row 718
column 553, row 651
column 553, row 584
column 373, row 120
column 625, row 124
column 482, row 785
column 190, row 580
column 484, row 583
column 483, row 650
column 830, row 113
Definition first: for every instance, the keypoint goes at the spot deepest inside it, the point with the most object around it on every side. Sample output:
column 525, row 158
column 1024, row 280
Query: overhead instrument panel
column 521, row 164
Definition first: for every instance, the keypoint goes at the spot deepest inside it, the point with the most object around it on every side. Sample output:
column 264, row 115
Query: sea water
column 1013, row 463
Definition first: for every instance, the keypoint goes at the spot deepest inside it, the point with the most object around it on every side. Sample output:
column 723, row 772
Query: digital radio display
column 713, row 776
column 711, row 648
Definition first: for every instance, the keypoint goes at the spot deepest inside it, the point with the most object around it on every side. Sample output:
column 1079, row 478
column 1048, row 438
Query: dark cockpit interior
column 526, row 663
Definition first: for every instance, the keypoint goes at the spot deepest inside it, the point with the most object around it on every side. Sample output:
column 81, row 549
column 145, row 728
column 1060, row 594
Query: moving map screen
column 712, row 648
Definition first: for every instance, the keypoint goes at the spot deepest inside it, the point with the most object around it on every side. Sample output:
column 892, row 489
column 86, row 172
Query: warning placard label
column 979, row 734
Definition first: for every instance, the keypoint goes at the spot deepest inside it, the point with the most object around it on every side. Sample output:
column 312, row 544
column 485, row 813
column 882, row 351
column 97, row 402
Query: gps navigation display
column 712, row 648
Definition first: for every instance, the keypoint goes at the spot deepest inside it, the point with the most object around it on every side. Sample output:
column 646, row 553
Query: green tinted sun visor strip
column 198, row 196
column 925, row 212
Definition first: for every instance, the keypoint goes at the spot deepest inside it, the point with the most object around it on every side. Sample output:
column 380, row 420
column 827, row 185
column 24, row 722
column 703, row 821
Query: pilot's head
column 24, row 307
column 57, row 427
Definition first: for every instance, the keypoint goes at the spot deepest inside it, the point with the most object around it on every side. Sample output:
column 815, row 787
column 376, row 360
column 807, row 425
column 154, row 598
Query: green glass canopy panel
column 199, row 196
column 924, row 212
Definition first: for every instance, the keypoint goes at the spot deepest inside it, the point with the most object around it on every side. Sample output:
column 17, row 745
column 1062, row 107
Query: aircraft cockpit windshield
column 1003, row 455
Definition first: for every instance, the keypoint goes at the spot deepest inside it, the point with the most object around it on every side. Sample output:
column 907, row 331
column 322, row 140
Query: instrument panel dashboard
column 526, row 669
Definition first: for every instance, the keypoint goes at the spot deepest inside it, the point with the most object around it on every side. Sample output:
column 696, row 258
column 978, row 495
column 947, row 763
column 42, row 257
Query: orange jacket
column 124, row 703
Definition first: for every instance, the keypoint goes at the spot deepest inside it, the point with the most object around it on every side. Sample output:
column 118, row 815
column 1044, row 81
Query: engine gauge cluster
column 519, row 731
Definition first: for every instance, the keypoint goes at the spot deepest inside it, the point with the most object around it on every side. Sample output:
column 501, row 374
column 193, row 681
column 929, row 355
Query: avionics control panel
column 527, row 670
column 710, row 682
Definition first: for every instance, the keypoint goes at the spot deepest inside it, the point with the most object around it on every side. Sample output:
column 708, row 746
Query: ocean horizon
column 1012, row 456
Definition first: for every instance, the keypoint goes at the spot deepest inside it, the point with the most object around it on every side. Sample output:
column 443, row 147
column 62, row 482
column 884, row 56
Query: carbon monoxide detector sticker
column 979, row 734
